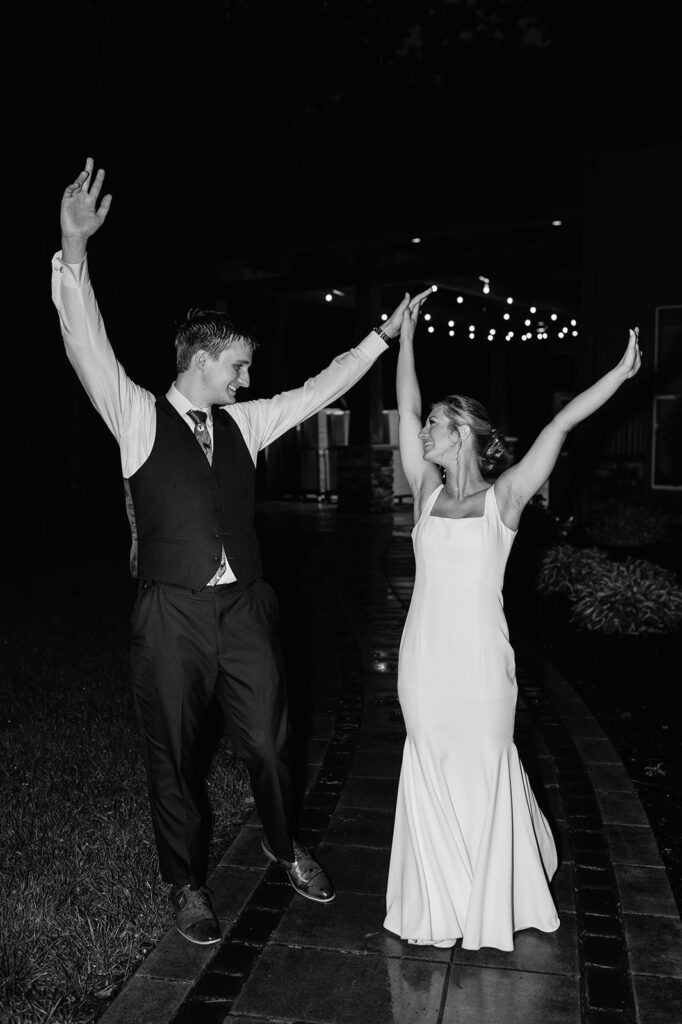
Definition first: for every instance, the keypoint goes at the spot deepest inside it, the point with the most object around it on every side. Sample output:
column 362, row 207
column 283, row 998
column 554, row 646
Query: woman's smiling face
column 437, row 435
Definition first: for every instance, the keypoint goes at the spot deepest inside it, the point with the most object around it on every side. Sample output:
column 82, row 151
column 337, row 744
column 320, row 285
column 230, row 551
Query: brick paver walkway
column 618, row 953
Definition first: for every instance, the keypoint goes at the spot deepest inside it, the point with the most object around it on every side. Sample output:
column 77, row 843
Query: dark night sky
column 227, row 126
column 222, row 123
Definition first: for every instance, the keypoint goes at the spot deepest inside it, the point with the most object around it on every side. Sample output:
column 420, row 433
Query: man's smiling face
column 223, row 376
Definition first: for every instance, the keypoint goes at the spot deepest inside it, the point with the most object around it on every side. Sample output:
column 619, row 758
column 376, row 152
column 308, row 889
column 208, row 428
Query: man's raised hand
column 411, row 314
column 80, row 216
column 409, row 307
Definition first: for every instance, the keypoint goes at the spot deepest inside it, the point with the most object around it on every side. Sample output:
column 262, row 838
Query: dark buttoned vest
column 186, row 510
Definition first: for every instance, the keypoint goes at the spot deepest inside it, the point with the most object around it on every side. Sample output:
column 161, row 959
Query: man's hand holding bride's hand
column 411, row 314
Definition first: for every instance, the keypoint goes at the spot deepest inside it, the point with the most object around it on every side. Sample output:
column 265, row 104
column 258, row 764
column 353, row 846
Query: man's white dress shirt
column 129, row 410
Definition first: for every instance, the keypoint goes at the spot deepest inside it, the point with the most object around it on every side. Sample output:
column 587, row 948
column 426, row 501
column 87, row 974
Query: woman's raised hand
column 393, row 326
column 411, row 314
column 80, row 216
column 632, row 359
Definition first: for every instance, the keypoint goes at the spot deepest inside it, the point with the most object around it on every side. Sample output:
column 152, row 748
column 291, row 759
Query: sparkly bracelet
column 382, row 335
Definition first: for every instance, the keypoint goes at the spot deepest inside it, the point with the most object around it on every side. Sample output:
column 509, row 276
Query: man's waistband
column 214, row 590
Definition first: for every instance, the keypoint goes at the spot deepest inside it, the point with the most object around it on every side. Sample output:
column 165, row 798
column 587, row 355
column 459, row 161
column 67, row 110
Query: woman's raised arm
column 520, row 482
column 408, row 394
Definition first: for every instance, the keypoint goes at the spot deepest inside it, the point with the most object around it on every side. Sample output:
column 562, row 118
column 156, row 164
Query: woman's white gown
column 472, row 852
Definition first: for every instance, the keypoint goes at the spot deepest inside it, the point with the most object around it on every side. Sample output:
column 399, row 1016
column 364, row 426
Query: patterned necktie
column 204, row 438
column 201, row 432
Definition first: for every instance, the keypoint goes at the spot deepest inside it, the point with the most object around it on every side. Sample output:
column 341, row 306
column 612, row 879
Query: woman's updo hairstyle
column 488, row 443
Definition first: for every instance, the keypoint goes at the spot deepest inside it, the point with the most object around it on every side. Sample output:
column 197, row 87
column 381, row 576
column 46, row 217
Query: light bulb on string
column 505, row 316
column 328, row 297
column 509, row 300
column 486, row 284
column 460, row 299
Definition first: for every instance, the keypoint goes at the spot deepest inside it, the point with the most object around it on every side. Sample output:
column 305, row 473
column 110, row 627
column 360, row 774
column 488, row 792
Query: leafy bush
column 634, row 597
column 564, row 567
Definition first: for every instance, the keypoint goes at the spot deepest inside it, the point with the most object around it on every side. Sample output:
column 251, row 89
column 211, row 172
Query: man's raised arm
column 264, row 420
column 127, row 409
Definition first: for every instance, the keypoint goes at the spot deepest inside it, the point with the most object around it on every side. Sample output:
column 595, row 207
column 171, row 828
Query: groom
column 204, row 620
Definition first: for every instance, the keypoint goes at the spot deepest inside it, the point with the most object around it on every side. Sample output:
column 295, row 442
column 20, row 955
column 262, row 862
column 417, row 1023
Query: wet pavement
column 618, row 953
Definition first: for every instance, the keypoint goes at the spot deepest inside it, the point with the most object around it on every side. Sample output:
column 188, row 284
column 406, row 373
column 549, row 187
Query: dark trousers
column 186, row 648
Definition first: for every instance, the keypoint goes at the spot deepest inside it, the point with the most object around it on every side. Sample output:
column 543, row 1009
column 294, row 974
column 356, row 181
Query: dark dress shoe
column 307, row 876
column 194, row 917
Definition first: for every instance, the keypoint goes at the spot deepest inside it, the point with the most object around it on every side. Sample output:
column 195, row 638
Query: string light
column 537, row 329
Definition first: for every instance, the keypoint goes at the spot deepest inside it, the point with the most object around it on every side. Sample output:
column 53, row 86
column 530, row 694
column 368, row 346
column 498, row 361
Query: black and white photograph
column 342, row 532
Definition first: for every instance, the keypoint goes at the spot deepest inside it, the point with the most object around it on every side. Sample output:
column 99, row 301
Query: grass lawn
column 81, row 903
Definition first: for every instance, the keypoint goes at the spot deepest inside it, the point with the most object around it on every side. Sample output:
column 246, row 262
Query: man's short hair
column 210, row 330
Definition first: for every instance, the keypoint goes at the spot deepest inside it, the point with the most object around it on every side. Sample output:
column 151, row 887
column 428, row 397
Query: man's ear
column 200, row 358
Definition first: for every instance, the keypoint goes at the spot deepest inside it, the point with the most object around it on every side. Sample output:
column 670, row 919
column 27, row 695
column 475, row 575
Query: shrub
column 565, row 566
column 634, row 597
